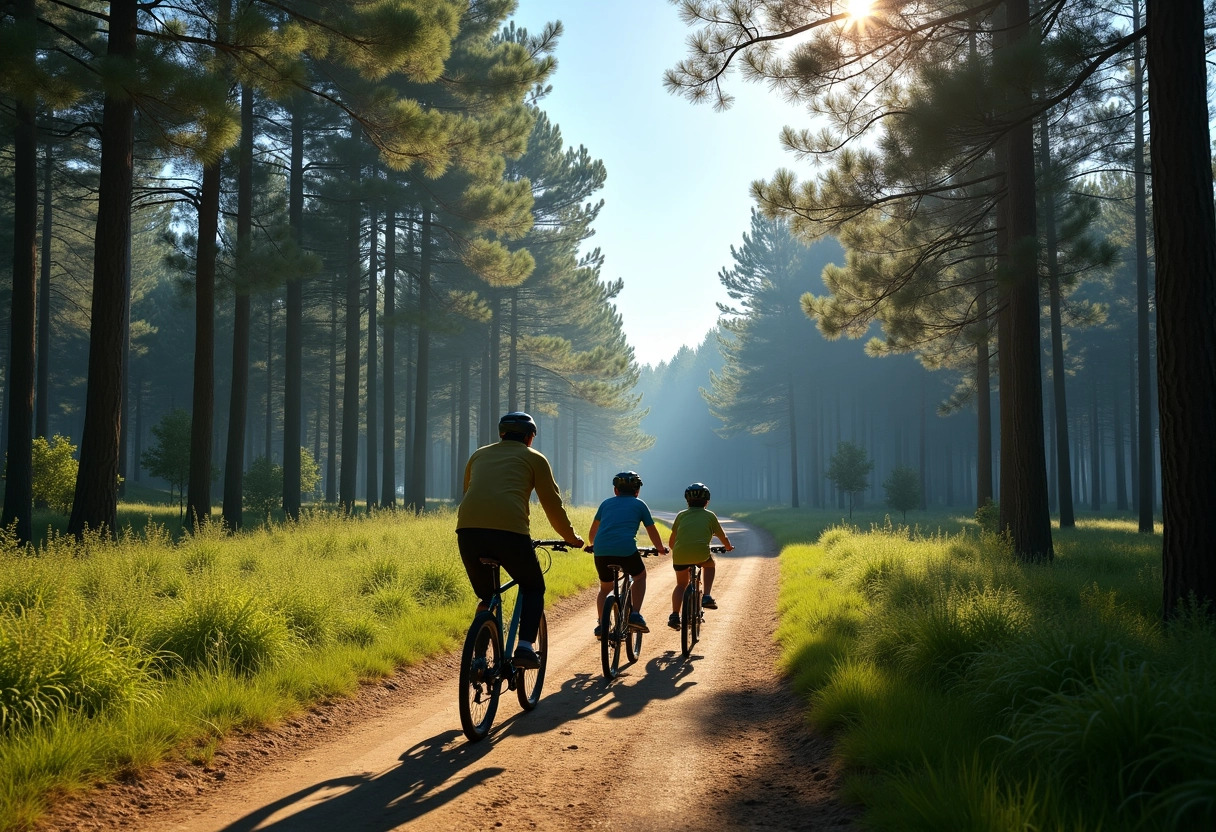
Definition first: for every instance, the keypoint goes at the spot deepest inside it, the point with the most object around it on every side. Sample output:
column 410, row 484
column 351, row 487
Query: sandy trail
column 710, row 742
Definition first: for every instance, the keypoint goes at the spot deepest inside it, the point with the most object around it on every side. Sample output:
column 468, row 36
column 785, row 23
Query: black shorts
column 632, row 564
column 683, row 567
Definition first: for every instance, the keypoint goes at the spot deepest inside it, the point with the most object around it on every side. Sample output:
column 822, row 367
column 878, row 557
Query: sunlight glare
column 858, row 9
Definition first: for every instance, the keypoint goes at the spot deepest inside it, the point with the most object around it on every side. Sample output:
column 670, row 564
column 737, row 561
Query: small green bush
column 54, row 468
column 223, row 631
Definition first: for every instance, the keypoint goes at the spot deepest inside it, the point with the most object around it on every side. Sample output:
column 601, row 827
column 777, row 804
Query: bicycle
column 692, row 616
column 614, row 621
column 485, row 662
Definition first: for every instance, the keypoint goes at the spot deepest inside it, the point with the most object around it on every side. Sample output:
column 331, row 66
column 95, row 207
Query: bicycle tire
column 688, row 636
column 610, row 637
column 698, row 615
column 528, row 683
column 480, row 682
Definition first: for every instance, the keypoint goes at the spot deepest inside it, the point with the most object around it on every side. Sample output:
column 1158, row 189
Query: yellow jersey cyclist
column 691, row 534
column 493, row 521
column 612, row 536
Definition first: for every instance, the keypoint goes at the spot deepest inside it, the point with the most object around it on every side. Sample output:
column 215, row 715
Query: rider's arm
column 595, row 525
column 652, row 532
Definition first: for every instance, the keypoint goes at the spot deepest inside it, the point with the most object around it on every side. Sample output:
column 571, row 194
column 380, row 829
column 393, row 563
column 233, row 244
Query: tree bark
column 350, row 378
column 202, row 415
column 238, row 402
column 388, row 491
column 372, row 467
column 1144, row 388
column 42, row 399
column 793, row 424
column 19, row 475
column 422, row 380
column 983, row 409
column 1023, row 502
column 1184, row 224
column 293, row 336
column 1058, row 394
column 95, row 504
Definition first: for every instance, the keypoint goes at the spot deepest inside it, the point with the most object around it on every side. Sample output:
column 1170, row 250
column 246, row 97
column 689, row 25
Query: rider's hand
column 577, row 543
column 730, row 548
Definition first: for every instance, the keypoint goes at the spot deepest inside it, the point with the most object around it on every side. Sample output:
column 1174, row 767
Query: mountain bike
column 614, row 621
column 691, row 614
column 485, row 662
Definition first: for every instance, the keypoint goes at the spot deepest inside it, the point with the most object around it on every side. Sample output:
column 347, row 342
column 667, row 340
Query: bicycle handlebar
column 644, row 552
column 717, row 550
column 559, row 545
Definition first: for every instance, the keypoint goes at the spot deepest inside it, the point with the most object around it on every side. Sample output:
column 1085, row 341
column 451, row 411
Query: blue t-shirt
column 619, row 518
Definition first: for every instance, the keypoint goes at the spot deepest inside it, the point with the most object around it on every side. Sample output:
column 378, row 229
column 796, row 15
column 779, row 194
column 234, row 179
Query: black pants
column 515, row 554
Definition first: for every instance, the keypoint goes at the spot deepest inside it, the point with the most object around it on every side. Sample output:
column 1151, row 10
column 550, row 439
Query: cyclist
column 689, row 540
column 493, row 521
column 615, row 525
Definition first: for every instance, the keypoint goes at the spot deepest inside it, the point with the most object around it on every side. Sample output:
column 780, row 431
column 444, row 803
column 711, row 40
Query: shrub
column 219, row 630
column 54, row 471
column 263, row 486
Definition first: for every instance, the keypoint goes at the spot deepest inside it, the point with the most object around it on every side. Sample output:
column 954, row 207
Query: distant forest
column 349, row 232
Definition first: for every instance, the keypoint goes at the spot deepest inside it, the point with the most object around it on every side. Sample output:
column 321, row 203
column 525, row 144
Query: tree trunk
column 350, row 376
column 417, row 498
column 96, row 499
column 238, row 402
column 495, row 354
column 19, row 474
column 42, row 399
column 462, row 442
column 373, row 293
column 1023, row 503
column 983, row 409
column 331, row 435
column 513, row 355
column 1184, row 223
column 1144, row 387
column 293, row 337
column 202, row 414
column 1059, row 401
column 388, row 491
column 791, row 416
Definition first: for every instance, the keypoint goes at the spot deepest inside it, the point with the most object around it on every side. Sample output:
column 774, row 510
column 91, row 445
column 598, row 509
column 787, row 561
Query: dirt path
column 716, row 741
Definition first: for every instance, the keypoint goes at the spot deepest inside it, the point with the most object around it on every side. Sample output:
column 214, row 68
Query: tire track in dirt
column 714, row 741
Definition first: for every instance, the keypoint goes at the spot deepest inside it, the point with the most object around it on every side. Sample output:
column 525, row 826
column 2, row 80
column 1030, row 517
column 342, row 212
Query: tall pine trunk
column 422, row 381
column 238, row 401
column 202, row 415
column 95, row 504
column 1023, row 502
column 1184, row 224
column 388, row 491
column 1144, row 386
column 371, row 469
column 293, row 337
column 42, row 399
column 983, row 407
column 350, row 377
column 1059, row 401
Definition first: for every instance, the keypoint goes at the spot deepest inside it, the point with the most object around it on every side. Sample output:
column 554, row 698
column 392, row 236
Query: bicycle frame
column 486, row 661
column 614, row 620
column 692, row 615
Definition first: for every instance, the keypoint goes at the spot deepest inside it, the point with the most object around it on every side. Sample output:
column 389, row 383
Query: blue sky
column 676, row 197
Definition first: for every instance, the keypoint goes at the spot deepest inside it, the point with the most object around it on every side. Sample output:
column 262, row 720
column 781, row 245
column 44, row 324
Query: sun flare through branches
column 858, row 10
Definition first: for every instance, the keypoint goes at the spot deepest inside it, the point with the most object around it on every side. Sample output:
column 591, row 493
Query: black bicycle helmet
column 627, row 481
column 697, row 491
column 516, row 423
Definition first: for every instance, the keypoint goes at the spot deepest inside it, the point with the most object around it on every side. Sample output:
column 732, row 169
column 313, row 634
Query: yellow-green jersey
column 692, row 531
column 499, row 480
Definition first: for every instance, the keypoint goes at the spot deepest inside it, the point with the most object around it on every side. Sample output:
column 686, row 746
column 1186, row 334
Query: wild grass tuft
column 220, row 630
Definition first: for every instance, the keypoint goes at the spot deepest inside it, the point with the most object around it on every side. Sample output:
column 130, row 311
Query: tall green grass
column 115, row 654
column 968, row 691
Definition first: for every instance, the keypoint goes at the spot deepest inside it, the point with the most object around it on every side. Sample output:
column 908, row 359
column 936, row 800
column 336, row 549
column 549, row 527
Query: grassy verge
column 115, row 655
column 966, row 691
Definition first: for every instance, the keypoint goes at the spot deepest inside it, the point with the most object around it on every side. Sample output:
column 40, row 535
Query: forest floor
column 714, row 741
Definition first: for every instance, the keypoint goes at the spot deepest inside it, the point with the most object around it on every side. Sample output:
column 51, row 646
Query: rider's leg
column 519, row 559
column 677, row 594
column 639, row 590
column 605, row 588
column 707, row 575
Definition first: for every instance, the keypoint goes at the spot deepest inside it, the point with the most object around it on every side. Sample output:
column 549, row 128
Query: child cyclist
column 689, row 541
column 612, row 537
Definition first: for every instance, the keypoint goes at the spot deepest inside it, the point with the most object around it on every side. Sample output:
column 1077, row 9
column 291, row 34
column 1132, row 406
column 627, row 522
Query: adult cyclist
column 493, row 521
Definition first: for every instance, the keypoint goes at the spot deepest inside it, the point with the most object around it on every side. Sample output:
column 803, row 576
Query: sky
column 676, row 196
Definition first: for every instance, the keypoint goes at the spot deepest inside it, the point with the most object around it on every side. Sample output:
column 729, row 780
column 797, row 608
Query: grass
column 114, row 655
column 968, row 691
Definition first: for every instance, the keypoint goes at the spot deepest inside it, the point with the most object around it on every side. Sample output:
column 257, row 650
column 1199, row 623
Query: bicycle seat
column 489, row 561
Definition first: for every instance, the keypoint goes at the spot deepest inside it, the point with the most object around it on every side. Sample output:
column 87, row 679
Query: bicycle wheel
column 480, row 664
column 632, row 638
column 528, row 683
column 688, row 635
column 698, row 616
column 611, row 632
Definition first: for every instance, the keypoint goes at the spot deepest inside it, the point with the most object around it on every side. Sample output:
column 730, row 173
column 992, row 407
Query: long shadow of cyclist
column 384, row 801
